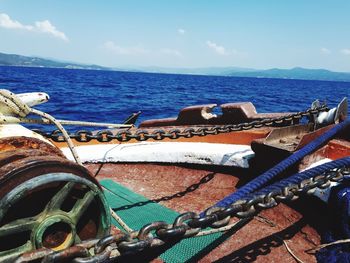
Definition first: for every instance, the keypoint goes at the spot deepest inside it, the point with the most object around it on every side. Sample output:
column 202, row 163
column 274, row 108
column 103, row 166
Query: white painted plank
column 167, row 152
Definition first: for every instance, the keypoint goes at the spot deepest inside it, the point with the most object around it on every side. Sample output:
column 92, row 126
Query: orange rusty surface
column 334, row 150
column 338, row 149
column 18, row 166
column 179, row 188
column 27, row 143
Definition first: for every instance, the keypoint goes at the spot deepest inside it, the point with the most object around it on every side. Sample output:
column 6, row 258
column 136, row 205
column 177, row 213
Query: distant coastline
column 294, row 73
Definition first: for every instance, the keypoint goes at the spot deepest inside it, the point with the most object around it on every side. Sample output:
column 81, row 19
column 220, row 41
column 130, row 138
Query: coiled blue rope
column 264, row 178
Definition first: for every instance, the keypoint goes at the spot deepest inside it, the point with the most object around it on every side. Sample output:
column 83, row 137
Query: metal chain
column 185, row 225
column 160, row 134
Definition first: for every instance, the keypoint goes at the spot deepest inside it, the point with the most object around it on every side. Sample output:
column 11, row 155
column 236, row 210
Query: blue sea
column 110, row 96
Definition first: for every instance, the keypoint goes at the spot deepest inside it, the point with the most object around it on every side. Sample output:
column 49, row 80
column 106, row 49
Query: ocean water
column 109, row 96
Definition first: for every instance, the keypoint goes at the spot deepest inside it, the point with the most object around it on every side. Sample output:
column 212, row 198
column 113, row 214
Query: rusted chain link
column 160, row 134
column 185, row 225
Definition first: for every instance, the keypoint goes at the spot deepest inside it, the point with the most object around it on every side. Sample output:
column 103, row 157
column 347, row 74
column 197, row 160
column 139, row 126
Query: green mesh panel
column 136, row 211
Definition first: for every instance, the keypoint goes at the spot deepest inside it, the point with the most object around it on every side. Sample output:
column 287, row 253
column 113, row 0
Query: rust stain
column 26, row 143
column 195, row 188
column 338, row 148
column 17, row 166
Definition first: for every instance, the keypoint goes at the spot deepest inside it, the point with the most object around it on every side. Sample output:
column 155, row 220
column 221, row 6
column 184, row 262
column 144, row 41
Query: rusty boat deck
column 267, row 238
column 170, row 169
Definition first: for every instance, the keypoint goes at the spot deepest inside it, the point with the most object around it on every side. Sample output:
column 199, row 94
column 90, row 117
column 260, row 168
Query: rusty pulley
column 47, row 201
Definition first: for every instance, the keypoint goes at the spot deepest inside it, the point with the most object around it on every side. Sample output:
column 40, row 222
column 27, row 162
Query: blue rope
column 338, row 227
column 263, row 179
column 339, row 208
column 297, row 178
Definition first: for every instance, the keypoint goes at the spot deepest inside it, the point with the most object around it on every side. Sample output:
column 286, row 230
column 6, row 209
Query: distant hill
column 294, row 73
column 214, row 71
column 18, row 60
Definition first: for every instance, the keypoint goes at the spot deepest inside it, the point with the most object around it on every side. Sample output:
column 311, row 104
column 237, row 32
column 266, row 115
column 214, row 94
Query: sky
column 257, row 34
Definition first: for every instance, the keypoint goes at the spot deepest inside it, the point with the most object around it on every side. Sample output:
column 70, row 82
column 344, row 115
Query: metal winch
column 46, row 201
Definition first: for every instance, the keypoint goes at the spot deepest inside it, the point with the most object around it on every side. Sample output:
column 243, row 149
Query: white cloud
column 220, row 49
column 181, row 31
column 172, row 52
column 345, row 51
column 39, row 26
column 7, row 22
column 46, row 27
column 111, row 46
column 325, row 51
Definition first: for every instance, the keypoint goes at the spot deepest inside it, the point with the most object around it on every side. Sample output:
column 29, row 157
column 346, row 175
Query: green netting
column 136, row 211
